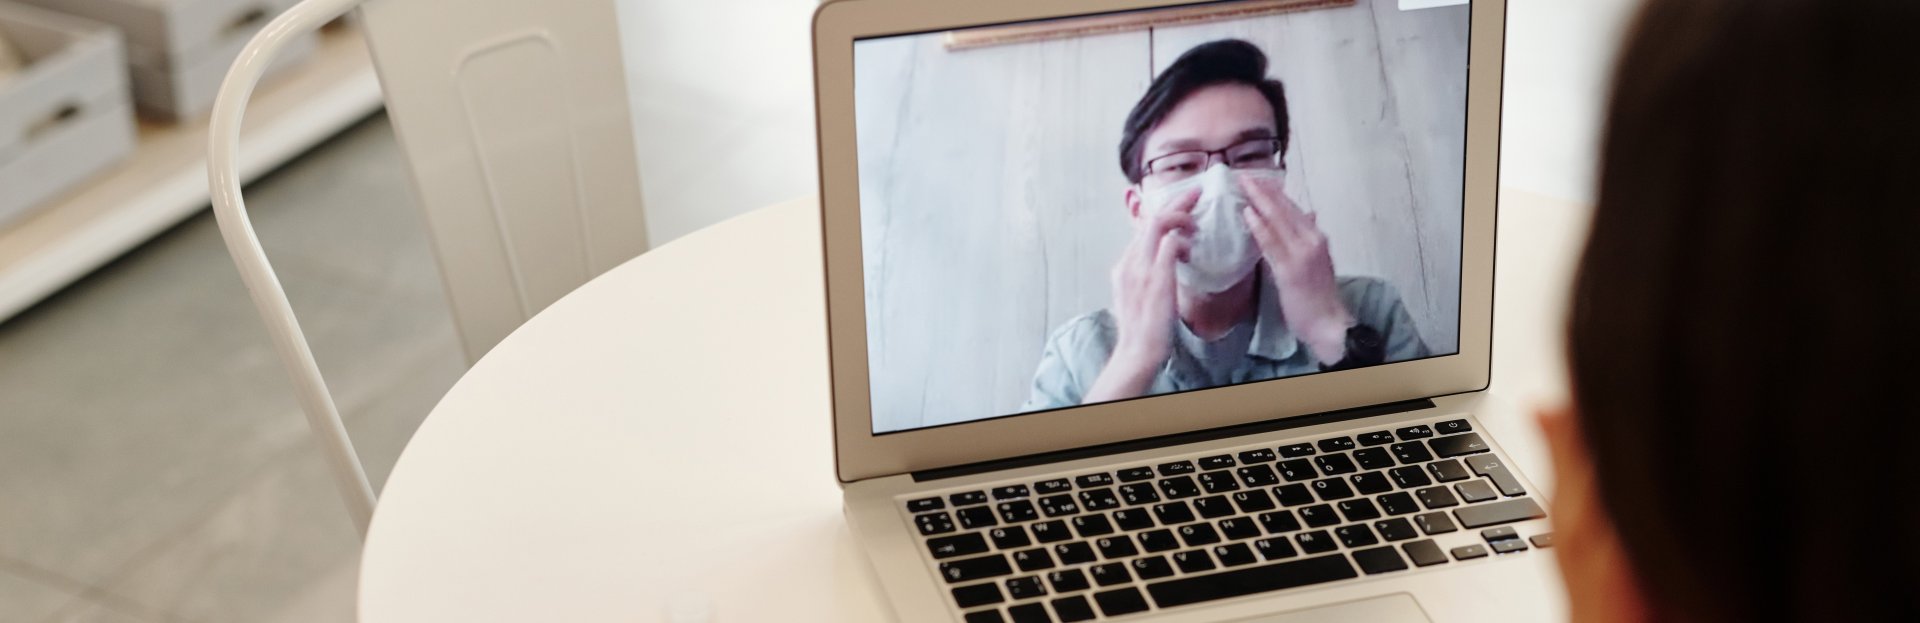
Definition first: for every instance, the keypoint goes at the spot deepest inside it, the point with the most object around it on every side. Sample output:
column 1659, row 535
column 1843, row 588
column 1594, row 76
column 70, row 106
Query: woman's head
column 1746, row 319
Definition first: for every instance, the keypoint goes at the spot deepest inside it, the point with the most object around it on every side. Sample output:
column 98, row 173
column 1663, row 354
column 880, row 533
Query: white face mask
column 1224, row 251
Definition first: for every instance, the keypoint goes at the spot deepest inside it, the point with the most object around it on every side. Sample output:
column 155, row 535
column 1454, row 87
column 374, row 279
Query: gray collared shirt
column 1077, row 351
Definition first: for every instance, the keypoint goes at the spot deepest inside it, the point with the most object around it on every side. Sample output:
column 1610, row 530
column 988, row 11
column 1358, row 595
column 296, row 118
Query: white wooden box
column 64, row 117
column 178, row 51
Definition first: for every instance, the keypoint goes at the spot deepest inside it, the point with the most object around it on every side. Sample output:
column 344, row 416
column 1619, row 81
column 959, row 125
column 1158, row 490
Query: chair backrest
column 514, row 116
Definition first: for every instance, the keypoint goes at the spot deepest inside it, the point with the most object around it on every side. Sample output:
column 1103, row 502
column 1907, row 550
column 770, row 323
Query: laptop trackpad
column 1395, row 608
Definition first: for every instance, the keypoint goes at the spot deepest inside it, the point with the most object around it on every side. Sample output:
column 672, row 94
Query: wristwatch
column 1365, row 347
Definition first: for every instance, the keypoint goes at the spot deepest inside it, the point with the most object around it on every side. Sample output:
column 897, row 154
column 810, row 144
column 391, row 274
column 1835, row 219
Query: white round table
column 657, row 445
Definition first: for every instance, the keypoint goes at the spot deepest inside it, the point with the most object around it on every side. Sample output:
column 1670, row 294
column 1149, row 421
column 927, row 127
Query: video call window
column 1061, row 214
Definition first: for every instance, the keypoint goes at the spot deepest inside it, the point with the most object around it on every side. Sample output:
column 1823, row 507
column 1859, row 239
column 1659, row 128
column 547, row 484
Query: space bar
column 1251, row 580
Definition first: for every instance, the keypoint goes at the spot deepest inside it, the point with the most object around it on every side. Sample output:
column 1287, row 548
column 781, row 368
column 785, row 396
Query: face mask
column 1224, row 251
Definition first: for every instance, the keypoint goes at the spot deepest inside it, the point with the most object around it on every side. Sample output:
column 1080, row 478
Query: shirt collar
column 1271, row 337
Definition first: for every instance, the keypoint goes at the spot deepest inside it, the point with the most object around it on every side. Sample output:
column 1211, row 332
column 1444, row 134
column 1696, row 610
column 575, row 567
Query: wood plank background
column 992, row 201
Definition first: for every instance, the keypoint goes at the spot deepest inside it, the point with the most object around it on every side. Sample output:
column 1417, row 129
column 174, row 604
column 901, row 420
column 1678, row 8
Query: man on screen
column 1226, row 279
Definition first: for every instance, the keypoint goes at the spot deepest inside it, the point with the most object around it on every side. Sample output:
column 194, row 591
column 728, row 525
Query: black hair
column 1228, row 61
column 1740, row 338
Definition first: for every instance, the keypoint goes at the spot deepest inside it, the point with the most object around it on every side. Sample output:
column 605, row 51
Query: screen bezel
column 862, row 454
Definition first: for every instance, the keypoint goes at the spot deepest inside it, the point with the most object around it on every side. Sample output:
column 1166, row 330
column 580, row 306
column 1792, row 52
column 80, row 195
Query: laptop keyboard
column 1110, row 544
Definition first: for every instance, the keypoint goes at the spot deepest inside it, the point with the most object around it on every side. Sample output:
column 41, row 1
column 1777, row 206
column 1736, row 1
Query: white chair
column 514, row 117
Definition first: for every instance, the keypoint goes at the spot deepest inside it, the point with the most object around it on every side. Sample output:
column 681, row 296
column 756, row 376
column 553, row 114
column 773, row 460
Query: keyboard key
column 1293, row 495
column 1110, row 574
column 1434, row 523
column 1213, row 507
column 1379, row 560
column 1135, row 474
column 1032, row 560
column 1358, row 510
column 1376, row 438
column 1237, row 528
column 1139, row 493
column 1395, row 529
column 1411, row 452
column 968, row 498
column 1090, row 526
column 1371, row 483
column 1409, row 477
column 1459, row 445
column 1176, row 467
column 1483, row 515
column 1436, row 497
column 1258, row 476
column 1157, row 541
column 1152, row 567
column 1072, row 608
column 1476, row 490
column 1452, row 426
column 1297, row 470
column 1415, row 432
column 1316, row 542
column 1193, row 561
column 1373, row 458
column 976, row 517
column 1023, row 588
column 1029, row 613
column 1051, row 531
column 933, row 523
column 1424, row 553
column 1490, row 467
column 1332, row 489
column 1448, row 470
column 1117, row 602
column 1319, row 515
column 1509, row 546
column 1217, row 462
column 1336, row 444
column 985, row 616
column 1250, row 581
column 1057, row 485
column 1198, row 534
column 1275, row 548
column 969, row 569
column 957, row 545
column 1253, row 501
column 1218, row 482
column 1090, row 481
column 1010, row 492
column 1543, row 540
column 1356, row 535
column 1179, row 487
column 1009, row 537
column 1470, row 552
column 1496, row 534
column 1296, row 450
column 1098, row 500
column 1116, row 547
column 1074, row 553
column 1398, row 503
column 1335, row 464
column 1234, row 554
column 1059, row 505
column 977, row 595
column 1016, row 511
column 1173, row 513
column 1257, row 456
column 925, row 504
column 1279, row 522
column 1133, row 519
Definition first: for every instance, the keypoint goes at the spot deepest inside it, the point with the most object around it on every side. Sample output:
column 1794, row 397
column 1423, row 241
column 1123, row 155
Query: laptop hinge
column 1163, row 441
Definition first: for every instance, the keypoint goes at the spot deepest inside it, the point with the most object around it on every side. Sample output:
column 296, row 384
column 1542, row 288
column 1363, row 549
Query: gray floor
column 153, row 463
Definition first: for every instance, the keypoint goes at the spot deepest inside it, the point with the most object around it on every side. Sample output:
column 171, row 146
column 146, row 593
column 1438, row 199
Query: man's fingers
column 1270, row 242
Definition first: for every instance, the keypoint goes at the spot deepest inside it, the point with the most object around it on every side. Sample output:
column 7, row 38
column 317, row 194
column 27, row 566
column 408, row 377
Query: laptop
column 1164, row 310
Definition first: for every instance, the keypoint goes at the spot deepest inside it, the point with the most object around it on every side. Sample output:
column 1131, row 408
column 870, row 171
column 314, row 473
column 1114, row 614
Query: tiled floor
column 153, row 464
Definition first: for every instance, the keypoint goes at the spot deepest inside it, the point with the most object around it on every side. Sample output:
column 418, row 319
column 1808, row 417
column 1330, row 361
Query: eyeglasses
column 1259, row 153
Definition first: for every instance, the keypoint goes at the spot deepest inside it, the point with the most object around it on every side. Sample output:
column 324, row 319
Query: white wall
column 1559, row 59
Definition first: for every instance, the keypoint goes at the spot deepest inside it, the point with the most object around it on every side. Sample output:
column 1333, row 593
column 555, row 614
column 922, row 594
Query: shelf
column 165, row 181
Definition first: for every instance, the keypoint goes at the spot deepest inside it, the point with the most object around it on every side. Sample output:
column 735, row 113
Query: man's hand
column 1144, row 303
column 1302, row 267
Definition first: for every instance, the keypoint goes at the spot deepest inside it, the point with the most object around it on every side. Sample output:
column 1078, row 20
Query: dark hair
column 1228, row 61
column 1741, row 335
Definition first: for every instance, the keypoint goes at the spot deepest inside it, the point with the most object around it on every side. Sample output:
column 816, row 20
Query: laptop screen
column 1109, row 207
